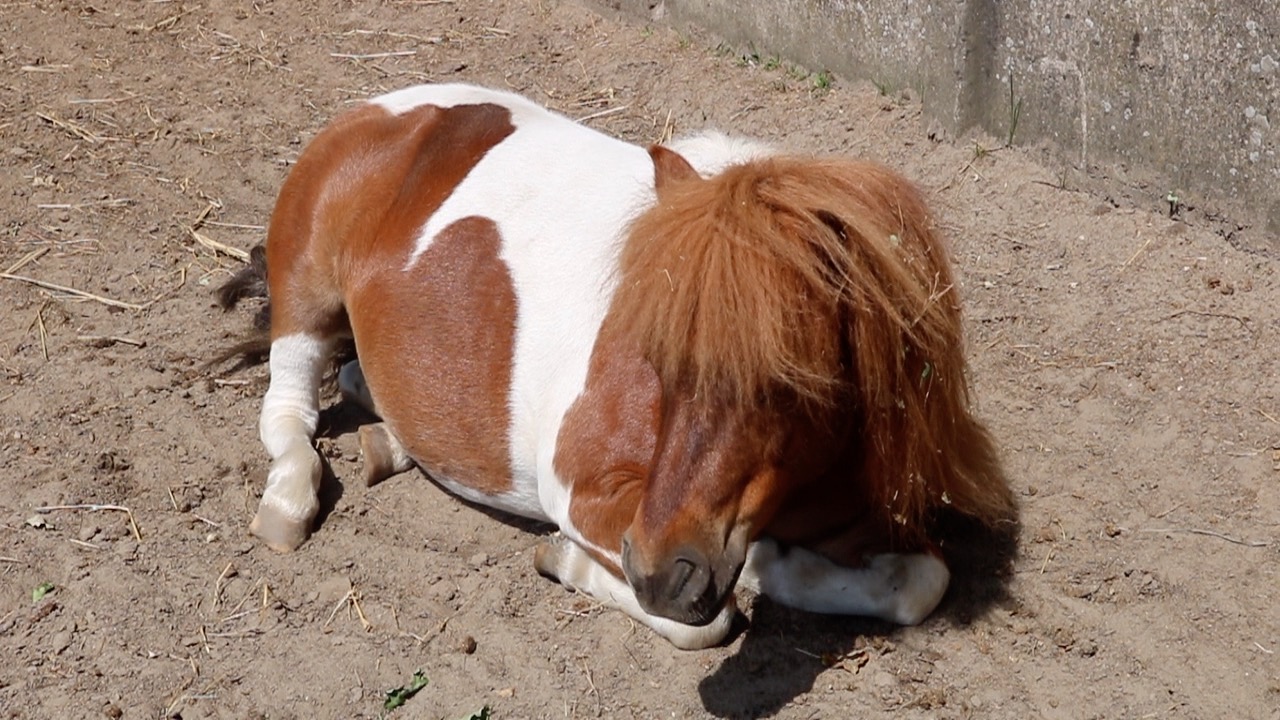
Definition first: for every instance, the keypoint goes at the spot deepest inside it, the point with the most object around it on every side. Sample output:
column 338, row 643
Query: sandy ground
column 1124, row 358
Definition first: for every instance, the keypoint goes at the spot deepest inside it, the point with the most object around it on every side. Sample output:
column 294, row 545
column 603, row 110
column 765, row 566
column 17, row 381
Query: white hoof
column 291, row 500
column 918, row 583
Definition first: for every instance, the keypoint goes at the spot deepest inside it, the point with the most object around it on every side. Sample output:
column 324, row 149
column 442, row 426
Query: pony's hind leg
column 566, row 561
column 290, row 411
column 381, row 450
column 900, row 588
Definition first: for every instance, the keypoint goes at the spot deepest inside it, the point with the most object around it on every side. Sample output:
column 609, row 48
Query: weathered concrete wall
column 1181, row 94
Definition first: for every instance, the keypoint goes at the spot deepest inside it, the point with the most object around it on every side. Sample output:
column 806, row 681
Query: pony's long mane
column 817, row 284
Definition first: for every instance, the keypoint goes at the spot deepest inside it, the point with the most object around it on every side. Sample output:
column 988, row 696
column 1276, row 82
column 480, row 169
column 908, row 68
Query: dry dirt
column 1125, row 360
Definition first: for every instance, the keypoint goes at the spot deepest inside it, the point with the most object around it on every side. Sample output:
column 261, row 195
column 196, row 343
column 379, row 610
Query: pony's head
column 801, row 318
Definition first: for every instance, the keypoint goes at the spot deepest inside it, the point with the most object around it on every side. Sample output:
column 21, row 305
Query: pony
column 710, row 364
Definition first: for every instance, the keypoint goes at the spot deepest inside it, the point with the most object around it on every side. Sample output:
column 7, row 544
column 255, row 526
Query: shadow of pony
column 784, row 652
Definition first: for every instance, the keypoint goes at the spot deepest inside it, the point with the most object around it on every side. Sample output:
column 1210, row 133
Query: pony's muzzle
column 680, row 588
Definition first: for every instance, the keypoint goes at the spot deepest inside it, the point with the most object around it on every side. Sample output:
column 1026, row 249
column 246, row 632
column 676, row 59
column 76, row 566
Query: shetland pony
column 710, row 365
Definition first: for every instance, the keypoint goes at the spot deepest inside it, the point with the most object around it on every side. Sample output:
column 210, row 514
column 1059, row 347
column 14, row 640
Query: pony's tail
column 249, row 282
column 924, row 452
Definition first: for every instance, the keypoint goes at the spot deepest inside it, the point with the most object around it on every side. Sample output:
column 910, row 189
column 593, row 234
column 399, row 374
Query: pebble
column 478, row 560
column 60, row 642
column 443, row 591
column 468, row 645
column 332, row 590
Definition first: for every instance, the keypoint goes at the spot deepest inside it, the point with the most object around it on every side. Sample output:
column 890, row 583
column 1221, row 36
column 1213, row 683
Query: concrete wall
column 1181, row 95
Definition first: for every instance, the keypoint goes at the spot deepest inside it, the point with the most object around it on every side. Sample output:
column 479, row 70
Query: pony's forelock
column 817, row 284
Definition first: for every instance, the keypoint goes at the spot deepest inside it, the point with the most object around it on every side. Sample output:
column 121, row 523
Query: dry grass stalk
column 44, row 333
column 73, row 129
column 668, row 130
column 236, row 611
column 26, row 259
column 603, row 113
column 137, row 534
column 109, row 202
column 103, row 101
column 72, row 291
column 1209, row 533
column 208, row 242
column 227, row 572
column 101, row 341
column 164, row 24
column 350, row 600
column 207, row 521
column 1136, row 253
column 373, row 56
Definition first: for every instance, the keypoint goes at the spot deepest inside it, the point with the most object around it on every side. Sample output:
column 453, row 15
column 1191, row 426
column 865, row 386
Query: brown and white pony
column 708, row 364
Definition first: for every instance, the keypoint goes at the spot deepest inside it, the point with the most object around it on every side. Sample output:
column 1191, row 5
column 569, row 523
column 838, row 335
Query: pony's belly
column 521, row 499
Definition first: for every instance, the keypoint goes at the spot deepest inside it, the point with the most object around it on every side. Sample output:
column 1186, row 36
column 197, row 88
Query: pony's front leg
column 287, row 426
column 900, row 588
column 566, row 561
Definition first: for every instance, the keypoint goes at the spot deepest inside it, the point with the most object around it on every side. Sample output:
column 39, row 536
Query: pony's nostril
column 681, row 573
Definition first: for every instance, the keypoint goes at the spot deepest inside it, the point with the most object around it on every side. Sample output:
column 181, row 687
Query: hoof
column 278, row 530
column 383, row 455
column 549, row 556
column 920, row 582
column 352, row 385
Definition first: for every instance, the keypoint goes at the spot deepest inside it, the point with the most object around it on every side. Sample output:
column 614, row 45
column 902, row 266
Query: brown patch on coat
column 436, row 342
column 606, row 442
column 357, row 196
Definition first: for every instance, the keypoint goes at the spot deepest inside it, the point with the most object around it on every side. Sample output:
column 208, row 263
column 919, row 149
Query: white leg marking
column 899, row 588
column 287, row 425
column 566, row 561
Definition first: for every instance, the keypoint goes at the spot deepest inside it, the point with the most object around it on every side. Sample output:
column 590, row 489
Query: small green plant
column 38, row 593
column 399, row 696
column 773, row 63
column 823, row 81
column 1015, row 111
column 883, row 87
column 979, row 151
column 1175, row 203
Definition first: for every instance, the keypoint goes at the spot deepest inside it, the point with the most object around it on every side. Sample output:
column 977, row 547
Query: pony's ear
column 669, row 167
